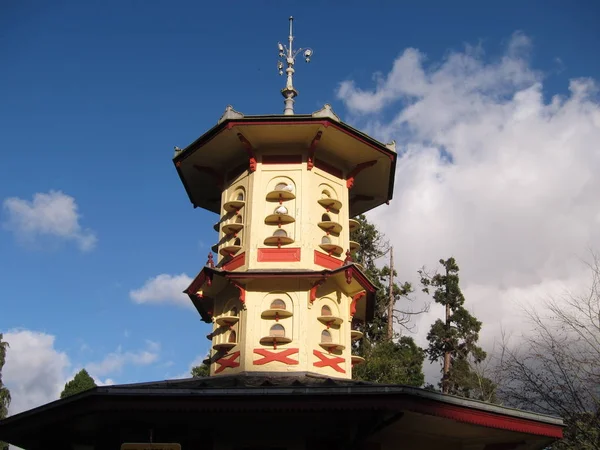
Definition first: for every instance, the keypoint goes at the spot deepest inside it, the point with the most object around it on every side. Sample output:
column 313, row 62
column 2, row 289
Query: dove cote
column 284, row 293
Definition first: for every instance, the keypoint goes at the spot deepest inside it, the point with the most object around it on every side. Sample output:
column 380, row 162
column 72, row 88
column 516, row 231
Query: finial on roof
column 230, row 113
column 289, row 56
column 326, row 111
column 391, row 146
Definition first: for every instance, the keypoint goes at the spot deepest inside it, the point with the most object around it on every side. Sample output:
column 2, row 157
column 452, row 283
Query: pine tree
column 81, row 382
column 387, row 358
column 454, row 339
column 4, row 392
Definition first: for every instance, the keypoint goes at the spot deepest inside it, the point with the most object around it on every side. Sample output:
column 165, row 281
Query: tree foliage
column 386, row 360
column 555, row 369
column 203, row 370
column 81, row 382
column 453, row 341
column 4, row 392
column 391, row 362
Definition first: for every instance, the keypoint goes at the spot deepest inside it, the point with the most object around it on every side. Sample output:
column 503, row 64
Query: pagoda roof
column 217, row 153
column 206, row 399
column 219, row 278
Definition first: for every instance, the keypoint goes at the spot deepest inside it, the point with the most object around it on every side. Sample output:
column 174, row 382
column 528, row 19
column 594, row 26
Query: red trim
column 228, row 361
column 486, row 419
column 236, row 262
column 248, row 147
column 329, row 362
column 269, row 356
column 324, row 260
column 356, row 298
column 310, row 162
column 328, row 168
column 282, row 159
column 279, row 254
column 359, row 168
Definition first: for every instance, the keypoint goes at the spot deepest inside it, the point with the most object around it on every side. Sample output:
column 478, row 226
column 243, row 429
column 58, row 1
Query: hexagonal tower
column 284, row 293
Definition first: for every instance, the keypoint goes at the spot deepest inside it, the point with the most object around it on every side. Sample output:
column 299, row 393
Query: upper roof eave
column 215, row 130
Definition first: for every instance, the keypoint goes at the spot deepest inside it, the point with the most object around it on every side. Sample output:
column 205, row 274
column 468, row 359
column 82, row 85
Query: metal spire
column 287, row 54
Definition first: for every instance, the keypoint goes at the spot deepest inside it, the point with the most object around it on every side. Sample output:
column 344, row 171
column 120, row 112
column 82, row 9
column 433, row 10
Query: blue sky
column 96, row 94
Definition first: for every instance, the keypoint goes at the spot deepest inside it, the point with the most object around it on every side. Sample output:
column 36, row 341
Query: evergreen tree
column 392, row 362
column 387, row 360
column 4, row 392
column 203, row 370
column 81, row 382
column 454, row 339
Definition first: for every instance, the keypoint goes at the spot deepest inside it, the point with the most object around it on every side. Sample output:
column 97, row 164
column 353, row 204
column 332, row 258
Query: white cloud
column 196, row 362
column 35, row 371
column 113, row 363
column 105, row 382
column 488, row 172
column 51, row 214
column 163, row 288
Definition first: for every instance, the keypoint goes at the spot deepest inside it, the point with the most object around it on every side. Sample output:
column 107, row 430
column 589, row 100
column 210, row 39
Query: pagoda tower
column 283, row 294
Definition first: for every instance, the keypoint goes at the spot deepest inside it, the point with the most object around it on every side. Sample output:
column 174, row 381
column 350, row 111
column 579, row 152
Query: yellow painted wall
column 303, row 327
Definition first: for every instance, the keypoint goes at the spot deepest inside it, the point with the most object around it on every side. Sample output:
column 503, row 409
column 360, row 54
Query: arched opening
column 325, row 194
column 234, row 311
column 238, row 219
column 281, row 210
column 326, row 337
column 280, row 233
column 277, row 330
column 326, row 311
column 283, row 187
column 325, row 218
column 237, row 241
column 240, row 196
column 325, row 240
column 278, row 304
column 232, row 337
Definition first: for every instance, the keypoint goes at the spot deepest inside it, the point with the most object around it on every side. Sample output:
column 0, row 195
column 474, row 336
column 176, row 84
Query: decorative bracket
column 310, row 162
column 248, row 146
column 209, row 170
column 348, row 273
column 355, row 299
column 242, row 291
column 354, row 172
column 313, row 289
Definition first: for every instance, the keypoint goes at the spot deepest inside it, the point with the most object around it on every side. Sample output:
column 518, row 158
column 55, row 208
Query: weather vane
column 289, row 56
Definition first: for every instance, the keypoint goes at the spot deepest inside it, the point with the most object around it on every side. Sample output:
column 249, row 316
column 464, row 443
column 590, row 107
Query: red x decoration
column 269, row 356
column 329, row 362
column 228, row 361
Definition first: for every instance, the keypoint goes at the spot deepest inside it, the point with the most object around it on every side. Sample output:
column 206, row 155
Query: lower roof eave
column 293, row 397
